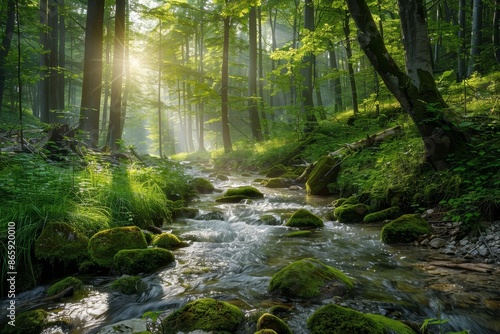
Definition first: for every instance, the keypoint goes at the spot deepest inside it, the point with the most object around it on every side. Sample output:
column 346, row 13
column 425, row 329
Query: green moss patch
column 61, row 242
column 304, row 219
column 135, row 261
column 334, row 319
column 167, row 241
column 276, row 170
column 105, row 244
column 406, row 228
column 309, row 278
column 129, row 285
column 277, row 182
column 351, row 213
column 63, row 284
column 324, row 172
column 269, row 321
column 202, row 186
column 32, row 322
column 206, row 314
column 268, row 220
column 391, row 325
column 236, row 195
column 389, row 213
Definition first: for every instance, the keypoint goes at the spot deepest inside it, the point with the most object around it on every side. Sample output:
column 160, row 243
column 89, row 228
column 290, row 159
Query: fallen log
column 369, row 140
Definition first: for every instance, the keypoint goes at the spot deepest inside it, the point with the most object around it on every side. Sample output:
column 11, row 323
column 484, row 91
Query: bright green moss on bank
column 135, row 261
column 63, row 284
column 406, row 228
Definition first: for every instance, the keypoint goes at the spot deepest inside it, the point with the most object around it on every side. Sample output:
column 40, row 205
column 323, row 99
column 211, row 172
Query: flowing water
column 234, row 256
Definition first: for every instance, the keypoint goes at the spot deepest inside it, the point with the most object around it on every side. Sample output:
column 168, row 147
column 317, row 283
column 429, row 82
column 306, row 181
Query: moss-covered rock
column 167, row 241
column 351, row 213
column 135, row 261
column 61, row 242
column 406, row 228
column 185, row 212
column 31, row 322
column 63, row 284
column 269, row 321
column 343, row 200
column 276, row 170
column 389, row 213
column 129, row 285
column 324, row 172
column 304, row 219
column 268, row 220
column 202, row 185
column 205, row 314
column 277, row 182
column 266, row 331
column 309, row 278
column 334, row 319
column 299, row 234
column 104, row 245
column 236, row 195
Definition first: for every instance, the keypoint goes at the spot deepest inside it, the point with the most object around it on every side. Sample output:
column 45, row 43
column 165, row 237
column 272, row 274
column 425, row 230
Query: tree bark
column 415, row 90
column 461, row 71
column 6, row 42
column 335, row 84
column 226, row 137
column 115, row 110
column 92, row 72
column 253, row 110
column 476, row 37
column 307, row 71
column 350, row 68
column 496, row 31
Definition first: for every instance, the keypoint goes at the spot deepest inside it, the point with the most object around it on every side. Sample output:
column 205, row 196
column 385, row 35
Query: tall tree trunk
column 115, row 110
column 53, row 41
column 461, row 70
column 62, row 62
column 416, row 89
column 335, row 83
column 496, row 31
column 226, row 137
column 307, row 72
column 6, row 42
column 253, row 110
column 262, row 108
column 126, row 70
column 201, row 106
column 44, row 83
column 107, row 78
column 160, row 123
column 476, row 37
column 350, row 68
column 92, row 72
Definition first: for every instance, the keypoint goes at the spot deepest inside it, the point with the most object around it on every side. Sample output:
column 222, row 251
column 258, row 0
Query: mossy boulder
column 304, row 219
column 389, row 213
column 277, row 182
column 266, row 331
column 309, row 279
column 343, row 200
column 351, row 213
column 68, row 282
column 276, row 170
column 31, row 322
column 185, row 212
column 135, row 261
column 324, row 172
column 406, row 228
column 129, row 285
column 268, row 220
column 206, row 314
column 167, row 241
column 104, row 245
column 269, row 321
column 61, row 242
column 202, row 185
column 334, row 319
column 236, row 195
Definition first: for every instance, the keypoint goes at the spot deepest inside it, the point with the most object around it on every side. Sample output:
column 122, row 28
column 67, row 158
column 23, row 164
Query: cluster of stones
column 483, row 248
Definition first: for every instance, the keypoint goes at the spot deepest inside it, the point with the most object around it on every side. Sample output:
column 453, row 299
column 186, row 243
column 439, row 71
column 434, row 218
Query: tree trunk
column 263, row 115
column 6, row 42
column 160, row 123
column 115, row 110
column 461, row 71
column 253, row 110
column 62, row 63
column 201, row 105
column 496, row 31
column 53, row 42
column 226, row 137
column 350, row 68
column 416, row 91
column 476, row 37
column 335, row 84
column 92, row 72
column 44, row 83
column 107, row 78
column 307, row 71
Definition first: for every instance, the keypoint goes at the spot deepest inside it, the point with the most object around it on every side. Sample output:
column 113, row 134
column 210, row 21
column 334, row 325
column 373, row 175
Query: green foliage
column 63, row 284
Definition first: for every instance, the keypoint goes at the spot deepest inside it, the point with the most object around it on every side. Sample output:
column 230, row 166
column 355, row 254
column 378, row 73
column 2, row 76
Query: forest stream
column 233, row 258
